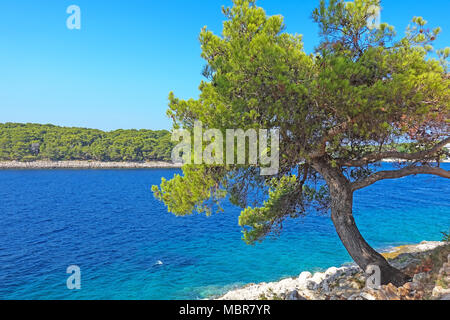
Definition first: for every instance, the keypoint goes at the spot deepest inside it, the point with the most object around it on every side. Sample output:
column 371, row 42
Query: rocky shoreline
column 75, row 164
column 400, row 160
column 428, row 264
column 85, row 164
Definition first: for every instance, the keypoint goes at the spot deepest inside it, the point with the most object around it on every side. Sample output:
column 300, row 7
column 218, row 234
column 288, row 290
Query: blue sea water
column 108, row 223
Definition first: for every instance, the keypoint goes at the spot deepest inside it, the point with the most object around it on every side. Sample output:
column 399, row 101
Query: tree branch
column 340, row 128
column 395, row 174
column 378, row 156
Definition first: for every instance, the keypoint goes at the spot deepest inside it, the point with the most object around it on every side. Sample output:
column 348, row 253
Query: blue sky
column 117, row 71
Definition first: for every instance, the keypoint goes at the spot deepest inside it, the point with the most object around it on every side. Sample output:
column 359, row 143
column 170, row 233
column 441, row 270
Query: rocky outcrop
column 305, row 286
column 85, row 165
column 349, row 282
column 442, row 289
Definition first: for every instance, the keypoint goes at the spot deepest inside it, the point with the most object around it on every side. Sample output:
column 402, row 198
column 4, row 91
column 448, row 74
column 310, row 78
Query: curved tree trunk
column 342, row 216
column 361, row 252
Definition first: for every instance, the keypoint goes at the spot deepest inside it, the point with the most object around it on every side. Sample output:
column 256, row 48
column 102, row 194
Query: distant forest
column 30, row 142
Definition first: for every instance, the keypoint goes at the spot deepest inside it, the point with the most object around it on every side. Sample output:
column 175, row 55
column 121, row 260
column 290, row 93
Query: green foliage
column 261, row 220
column 364, row 90
column 446, row 236
column 30, row 142
column 182, row 195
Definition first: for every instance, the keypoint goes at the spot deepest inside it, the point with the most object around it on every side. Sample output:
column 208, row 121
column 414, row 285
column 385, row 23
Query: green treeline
column 29, row 142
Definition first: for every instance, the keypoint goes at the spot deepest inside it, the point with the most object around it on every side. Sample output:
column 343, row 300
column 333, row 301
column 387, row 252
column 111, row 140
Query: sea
column 127, row 246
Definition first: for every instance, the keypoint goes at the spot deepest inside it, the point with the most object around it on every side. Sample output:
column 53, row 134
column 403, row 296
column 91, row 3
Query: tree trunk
column 342, row 216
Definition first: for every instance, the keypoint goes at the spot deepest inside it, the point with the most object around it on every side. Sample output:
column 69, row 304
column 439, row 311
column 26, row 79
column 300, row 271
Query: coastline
column 87, row 164
column 91, row 164
column 348, row 282
column 400, row 160
column 82, row 164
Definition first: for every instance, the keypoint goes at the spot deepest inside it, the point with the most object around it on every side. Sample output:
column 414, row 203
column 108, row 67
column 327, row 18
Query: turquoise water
column 107, row 222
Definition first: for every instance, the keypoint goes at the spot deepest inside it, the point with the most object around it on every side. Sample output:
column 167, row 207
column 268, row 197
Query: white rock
column 331, row 271
column 446, row 297
column 368, row 296
column 318, row 277
column 304, row 276
column 293, row 295
column 356, row 296
column 428, row 245
column 285, row 283
column 440, row 292
column 325, row 286
column 311, row 285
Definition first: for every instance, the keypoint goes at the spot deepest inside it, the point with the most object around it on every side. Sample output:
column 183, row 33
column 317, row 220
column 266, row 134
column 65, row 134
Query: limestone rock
column 419, row 277
column 368, row 296
column 439, row 292
column 294, row 295
column 304, row 276
column 331, row 271
column 445, row 297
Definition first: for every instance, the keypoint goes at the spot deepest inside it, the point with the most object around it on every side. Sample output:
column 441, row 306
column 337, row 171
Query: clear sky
column 117, row 71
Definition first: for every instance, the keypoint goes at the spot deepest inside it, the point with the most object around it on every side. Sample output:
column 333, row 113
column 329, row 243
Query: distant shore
column 400, row 160
column 86, row 164
column 75, row 164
